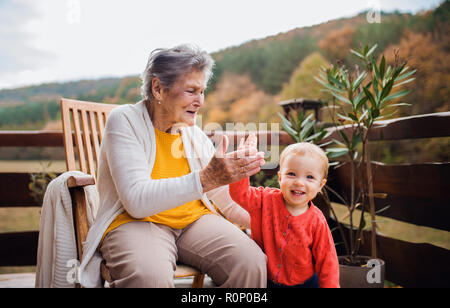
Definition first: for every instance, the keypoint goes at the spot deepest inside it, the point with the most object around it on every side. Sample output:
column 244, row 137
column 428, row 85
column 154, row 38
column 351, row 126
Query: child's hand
column 250, row 142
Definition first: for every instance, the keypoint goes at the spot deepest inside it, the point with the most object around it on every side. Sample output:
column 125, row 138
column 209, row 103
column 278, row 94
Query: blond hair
column 306, row 148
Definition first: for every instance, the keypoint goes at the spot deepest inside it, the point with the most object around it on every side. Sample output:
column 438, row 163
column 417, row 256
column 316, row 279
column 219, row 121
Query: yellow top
column 167, row 166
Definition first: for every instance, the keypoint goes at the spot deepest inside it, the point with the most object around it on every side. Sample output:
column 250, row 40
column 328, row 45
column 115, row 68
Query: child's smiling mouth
column 297, row 193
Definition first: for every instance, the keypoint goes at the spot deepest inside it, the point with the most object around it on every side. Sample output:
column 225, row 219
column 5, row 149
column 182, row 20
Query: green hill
column 268, row 65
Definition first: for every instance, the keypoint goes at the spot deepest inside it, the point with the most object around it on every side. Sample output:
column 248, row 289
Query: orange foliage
column 237, row 99
column 337, row 43
column 53, row 125
column 429, row 57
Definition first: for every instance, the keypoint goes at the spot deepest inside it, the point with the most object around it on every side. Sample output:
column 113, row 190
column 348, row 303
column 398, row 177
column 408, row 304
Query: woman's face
column 181, row 102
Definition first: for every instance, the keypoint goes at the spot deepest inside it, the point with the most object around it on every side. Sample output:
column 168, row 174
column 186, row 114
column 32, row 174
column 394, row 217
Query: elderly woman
column 162, row 185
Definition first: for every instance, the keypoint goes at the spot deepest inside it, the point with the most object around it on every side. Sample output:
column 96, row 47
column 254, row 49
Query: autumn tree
column 301, row 83
column 430, row 58
column 337, row 43
column 430, row 93
column 237, row 99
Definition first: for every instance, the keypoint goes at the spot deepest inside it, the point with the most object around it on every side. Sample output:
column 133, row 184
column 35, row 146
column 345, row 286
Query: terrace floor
column 26, row 280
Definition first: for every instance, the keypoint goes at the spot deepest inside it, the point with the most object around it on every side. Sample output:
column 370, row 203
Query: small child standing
column 285, row 223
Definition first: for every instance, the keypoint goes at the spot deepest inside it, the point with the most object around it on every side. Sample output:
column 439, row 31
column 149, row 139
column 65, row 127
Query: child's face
column 300, row 178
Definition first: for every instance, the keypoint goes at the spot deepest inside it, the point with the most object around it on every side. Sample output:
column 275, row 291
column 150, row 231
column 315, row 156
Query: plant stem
column 352, row 204
column 341, row 230
column 371, row 200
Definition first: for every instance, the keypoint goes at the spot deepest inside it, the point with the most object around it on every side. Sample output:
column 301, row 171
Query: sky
column 63, row 40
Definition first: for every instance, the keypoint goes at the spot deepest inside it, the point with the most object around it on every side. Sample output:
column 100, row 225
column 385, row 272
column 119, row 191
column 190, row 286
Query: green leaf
column 403, row 82
column 383, row 209
column 341, row 98
column 315, row 137
column 307, row 120
column 398, row 71
column 296, row 121
column 344, row 117
column 325, row 144
column 375, row 88
column 306, row 130
column 399, row 104
column 363, row 222
column 361, row 103
column 363, row 115
column 353, row 117
column 338, row 142
column 284, row 119
column 322, row 73
column 344, row 137
column 287, row 126
column 371, row 50
column 375, row 113
column 336, row 152
column 387, row 89
column 356, row 140
column 290, row 131
column 396, row 95
column 338, row 243
column 328, row 86
column 388, row 72
column 335, row 81
column 369, row 96
column 327, row 133
column 405, row 75
column 357, row 54
column 388, row 115
column 357, row 99
column 359, row 80
column 382, row 67
column 375, row 69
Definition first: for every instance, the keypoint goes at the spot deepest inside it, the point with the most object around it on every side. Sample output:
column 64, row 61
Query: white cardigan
column 127, row 156
column 57, row 247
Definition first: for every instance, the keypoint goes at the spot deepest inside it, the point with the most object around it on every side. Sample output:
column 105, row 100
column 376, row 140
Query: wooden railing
column 417, row 194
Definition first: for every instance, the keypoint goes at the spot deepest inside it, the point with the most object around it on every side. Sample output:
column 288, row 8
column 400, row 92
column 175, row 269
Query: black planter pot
column 370, row 275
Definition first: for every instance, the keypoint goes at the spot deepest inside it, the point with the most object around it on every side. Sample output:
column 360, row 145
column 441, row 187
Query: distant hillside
column 249, row 78
column 51, row 91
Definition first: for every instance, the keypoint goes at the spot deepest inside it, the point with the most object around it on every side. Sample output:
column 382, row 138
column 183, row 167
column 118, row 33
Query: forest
column 251, row 79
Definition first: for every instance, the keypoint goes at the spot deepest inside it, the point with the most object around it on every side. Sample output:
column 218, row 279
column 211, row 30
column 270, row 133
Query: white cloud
column 73, row 39
column 17, row 53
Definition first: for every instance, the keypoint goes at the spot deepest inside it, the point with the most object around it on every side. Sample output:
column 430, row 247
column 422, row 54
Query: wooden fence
column 417, row 194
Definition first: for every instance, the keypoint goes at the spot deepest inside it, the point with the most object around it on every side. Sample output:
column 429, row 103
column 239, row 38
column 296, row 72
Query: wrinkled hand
column 225, row 168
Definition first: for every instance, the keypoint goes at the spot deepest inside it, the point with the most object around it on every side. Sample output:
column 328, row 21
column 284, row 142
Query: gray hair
column 171, row 63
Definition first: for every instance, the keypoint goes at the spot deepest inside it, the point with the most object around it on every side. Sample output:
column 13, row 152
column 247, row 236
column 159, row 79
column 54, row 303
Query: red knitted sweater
column 296, row 246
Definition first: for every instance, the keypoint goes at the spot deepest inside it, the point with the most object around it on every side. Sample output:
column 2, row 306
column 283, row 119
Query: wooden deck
column 26, row 280
column 21, row 280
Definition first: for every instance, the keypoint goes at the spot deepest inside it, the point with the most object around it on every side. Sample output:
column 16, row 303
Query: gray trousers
column 144, row 254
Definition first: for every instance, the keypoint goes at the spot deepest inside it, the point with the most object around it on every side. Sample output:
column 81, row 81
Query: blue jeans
column 312, row 282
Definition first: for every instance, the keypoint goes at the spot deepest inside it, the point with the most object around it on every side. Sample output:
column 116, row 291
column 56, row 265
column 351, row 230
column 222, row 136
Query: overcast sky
column 61, row 40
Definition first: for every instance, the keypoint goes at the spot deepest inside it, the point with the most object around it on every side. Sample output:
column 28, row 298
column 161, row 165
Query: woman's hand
column 225, row 168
